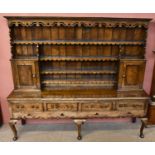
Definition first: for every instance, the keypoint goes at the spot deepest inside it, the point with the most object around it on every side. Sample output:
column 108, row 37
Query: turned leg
column 133, row 119
column 79, row 123
column 23, row 121
column 144, row 125
column 12, row 124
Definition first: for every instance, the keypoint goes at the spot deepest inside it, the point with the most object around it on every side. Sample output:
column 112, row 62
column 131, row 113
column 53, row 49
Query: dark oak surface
column 79, row 68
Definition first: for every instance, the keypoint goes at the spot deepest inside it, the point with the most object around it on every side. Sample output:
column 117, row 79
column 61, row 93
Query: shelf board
column 78, row 72
column 78, row 83
column 76, row 58
column 75, row 42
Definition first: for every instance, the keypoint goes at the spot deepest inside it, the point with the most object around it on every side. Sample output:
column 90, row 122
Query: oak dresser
column 77, row 68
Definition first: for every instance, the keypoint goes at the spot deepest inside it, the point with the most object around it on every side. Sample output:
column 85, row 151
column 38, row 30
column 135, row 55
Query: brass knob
column 33, row 75
column 123, row 76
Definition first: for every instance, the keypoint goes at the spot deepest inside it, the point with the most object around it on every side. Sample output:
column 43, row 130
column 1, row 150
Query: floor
column 91, row 131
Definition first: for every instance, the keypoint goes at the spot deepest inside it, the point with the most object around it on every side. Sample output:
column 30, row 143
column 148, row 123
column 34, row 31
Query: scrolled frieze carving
column 52, row 23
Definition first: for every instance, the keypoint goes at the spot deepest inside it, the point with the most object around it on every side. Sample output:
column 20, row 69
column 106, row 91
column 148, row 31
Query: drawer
column 131, row 105
column 62, row 106
column 99, row 106
column 27, row 107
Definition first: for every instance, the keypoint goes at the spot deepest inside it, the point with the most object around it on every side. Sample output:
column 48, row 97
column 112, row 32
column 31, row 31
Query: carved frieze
column 77, row 22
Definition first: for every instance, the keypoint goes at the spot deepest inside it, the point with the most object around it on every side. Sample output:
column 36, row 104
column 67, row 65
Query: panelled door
column 131, row 74
column 25, row 74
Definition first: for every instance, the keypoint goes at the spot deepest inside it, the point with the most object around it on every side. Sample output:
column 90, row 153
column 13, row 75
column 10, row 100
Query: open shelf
column 77, row 58
column 78, row 72
column 74, row 42
column 78, row 82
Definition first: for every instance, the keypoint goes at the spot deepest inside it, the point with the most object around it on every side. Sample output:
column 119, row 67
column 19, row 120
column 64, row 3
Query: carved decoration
column 47, row 58
column 49, row 80
column 78, row 72
column 75, row 23
column 79, row 42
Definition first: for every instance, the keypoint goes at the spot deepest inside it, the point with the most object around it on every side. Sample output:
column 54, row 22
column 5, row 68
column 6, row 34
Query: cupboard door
column 131, row 74
column 25, row 74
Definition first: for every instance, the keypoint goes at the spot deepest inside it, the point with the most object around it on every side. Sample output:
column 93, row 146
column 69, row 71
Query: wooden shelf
column 78, row 72
column 76, row 58
column 62, row 42
column 78, row 83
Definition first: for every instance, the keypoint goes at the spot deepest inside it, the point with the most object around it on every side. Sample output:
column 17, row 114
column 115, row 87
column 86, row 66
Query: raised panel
column 132, row 75
column 103, row 106
column 61, row 106
column 27, row 107
column 25, row 75
column 125, row 105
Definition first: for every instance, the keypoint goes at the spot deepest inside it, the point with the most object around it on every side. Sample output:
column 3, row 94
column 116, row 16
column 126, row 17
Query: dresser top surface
column 81, row 94
column 77, row 17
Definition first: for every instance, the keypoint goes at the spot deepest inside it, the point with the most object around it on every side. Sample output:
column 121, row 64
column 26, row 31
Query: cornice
column 77, row 22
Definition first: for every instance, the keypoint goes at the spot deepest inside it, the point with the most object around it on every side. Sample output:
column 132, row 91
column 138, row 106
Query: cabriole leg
column 12, row 124
column 142, row 128
column 79, row 123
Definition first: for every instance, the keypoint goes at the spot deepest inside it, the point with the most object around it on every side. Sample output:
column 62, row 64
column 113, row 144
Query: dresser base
column 78, row 107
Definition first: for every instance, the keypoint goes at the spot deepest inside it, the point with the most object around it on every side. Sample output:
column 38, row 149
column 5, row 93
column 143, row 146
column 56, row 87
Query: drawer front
column 62, row 106
column 131, row 105
column 27, row 107
column 99, row 106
